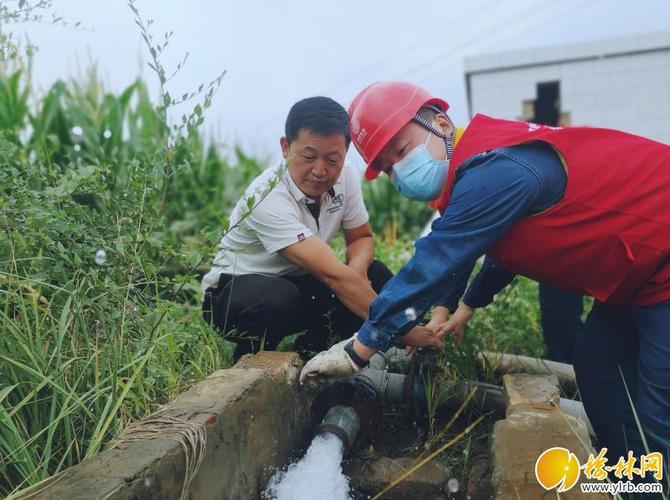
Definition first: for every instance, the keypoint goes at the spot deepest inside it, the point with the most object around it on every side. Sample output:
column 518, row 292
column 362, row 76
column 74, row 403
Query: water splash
column 100, row 257
column 453, row 485
column 317, row 475
column 410, row 314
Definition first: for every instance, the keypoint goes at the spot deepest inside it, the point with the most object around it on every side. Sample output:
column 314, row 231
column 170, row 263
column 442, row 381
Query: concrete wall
column 534, row 424
column 622, row 83
column 254, row 415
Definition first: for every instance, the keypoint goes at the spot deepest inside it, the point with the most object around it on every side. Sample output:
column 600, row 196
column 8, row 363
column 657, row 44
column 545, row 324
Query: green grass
column 72, row 374
column 86, row 347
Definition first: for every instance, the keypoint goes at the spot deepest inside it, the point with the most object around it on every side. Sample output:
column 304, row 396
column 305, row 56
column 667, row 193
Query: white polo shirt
column 282, row 219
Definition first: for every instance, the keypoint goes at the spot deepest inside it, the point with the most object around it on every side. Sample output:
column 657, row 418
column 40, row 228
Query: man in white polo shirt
column 274, row 273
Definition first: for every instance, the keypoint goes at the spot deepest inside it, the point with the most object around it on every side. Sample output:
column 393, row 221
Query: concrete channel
column 225, row 437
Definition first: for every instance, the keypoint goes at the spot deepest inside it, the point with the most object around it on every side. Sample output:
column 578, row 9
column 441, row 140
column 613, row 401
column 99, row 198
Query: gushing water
column 100, row 257
column 317, row 475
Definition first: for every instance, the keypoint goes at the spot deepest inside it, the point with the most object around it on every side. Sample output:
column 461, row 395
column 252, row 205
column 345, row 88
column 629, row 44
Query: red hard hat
column 378, row 113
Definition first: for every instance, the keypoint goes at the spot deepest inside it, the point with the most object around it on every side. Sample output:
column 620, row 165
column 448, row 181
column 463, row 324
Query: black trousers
column 262, row 310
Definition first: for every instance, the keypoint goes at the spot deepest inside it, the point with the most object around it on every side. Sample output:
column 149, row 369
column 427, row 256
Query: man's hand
column 456, row 323
column 439, row 316
column 421, row 336
column 331, row 363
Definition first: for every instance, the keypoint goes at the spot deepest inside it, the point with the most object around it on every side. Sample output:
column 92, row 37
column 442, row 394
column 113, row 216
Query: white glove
column 331, row 363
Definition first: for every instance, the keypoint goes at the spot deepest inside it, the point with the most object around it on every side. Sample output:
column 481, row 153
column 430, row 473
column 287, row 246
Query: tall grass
column 69, row 379
column 107, row 218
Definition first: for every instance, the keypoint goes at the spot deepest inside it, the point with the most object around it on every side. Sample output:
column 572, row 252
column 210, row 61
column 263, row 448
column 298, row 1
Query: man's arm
column 360, row 248
column 491, row 278
column 317, row 258
column 355, row 226
column 487, row 200
column 355, row 292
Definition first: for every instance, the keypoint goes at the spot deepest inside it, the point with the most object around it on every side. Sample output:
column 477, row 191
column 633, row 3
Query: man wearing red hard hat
column 584, row 209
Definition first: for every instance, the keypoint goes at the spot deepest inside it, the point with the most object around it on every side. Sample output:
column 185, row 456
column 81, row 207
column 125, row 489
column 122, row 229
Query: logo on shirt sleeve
column 301, row 237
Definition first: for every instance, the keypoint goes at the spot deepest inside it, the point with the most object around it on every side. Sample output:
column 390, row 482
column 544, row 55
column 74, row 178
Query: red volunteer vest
column 609, row 237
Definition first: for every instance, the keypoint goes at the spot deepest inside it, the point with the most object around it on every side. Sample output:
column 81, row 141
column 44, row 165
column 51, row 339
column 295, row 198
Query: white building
column 622, row 83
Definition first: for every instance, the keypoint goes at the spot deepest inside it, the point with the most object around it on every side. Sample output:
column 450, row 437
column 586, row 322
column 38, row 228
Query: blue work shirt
column 493, row 190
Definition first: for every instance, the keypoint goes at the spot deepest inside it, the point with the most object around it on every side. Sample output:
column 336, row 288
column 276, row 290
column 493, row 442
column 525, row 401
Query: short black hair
column 321, row 115
column 429, row 111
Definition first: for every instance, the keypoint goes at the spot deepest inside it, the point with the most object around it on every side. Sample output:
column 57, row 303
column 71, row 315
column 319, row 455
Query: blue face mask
column 419, row 176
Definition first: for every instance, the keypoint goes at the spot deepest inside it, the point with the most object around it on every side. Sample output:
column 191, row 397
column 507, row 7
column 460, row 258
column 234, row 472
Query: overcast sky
column 278, row 52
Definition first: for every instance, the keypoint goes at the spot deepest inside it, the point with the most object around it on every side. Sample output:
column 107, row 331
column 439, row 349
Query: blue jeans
column 561, row 321
column 631, row 344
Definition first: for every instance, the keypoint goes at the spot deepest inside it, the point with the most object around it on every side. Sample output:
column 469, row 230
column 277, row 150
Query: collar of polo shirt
column 297, row 193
